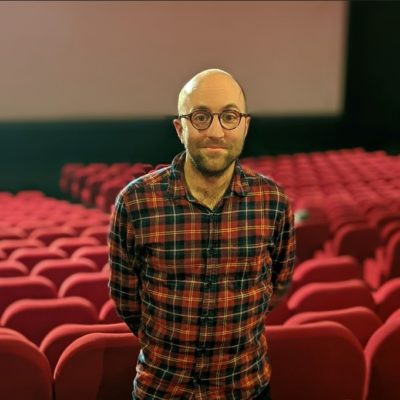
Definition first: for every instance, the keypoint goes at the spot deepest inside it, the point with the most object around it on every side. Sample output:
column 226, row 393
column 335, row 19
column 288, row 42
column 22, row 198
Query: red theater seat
column 357, row 240
column 57, row 271
column 97, row 366
column 24, row 370
column 50, row 234
column 98, row 232
column 69, row 245
column 59, row 338
column 92, row 286
column 24, row 287
column 30, row 257
column 98, row 254
column 386, row 264
column 321, row 360
column 383, row 362
column 326, row 269
column 12, row 233
column 8, row 246
column 10, row 268
column 361, row 321
column 331, row 296
column 387, row 298
column 108, row 314
column 35, row 318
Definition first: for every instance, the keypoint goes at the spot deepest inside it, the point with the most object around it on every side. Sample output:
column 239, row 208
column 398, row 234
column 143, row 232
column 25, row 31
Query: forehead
column 214, row 92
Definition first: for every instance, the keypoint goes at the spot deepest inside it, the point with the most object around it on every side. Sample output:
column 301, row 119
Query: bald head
column 205, row 86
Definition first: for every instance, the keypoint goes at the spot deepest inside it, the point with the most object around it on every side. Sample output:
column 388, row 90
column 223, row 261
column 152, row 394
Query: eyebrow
column 205, row 108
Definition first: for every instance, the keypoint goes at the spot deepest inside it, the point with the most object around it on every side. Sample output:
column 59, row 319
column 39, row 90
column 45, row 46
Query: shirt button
column 196, row 380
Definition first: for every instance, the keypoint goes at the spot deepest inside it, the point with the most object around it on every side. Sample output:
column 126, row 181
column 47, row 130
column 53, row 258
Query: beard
column 214, row 166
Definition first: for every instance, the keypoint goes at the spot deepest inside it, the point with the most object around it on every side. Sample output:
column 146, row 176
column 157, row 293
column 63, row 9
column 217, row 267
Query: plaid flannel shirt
column 194, row 284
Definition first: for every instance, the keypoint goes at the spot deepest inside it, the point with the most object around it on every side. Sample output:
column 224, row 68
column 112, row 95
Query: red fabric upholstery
column 97, row 366
column 24, row 370
column 12, row 268
column 386, row 264
column 329, row 269
column 92, row 286
column 25, row 287
column 387, row 298
column 98, row 232
column 383, row 362
column 30, row 257
column 361, row 321
column 357, row 240
column 59, row 338
column 8, row 246
column 35, row 318
column 331, row 296
column 69, row 245
column 48, row 235
column 58, row 271
column 321, row 360
column 98, row 254
column 394, row 315
column 107, row 314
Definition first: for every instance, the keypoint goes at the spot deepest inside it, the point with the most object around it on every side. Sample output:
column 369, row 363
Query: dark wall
column 372, row 110
column 32, row 154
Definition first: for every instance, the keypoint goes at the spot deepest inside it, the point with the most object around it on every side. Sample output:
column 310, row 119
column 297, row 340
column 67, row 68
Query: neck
column 207, row 189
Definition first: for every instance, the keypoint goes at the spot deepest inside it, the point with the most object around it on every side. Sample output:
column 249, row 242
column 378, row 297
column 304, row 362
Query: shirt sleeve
column 124, row 279
column 283, row 255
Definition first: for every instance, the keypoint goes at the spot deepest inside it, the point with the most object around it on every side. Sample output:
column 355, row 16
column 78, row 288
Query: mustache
column 216, row 144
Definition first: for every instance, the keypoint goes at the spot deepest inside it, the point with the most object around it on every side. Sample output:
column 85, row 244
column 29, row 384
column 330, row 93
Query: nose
column 215, row 129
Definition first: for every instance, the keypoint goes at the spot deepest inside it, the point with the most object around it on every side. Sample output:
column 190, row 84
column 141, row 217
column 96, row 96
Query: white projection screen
column 95, row 60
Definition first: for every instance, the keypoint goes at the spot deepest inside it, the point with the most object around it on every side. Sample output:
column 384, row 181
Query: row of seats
column 321, row 360
column 97, row 184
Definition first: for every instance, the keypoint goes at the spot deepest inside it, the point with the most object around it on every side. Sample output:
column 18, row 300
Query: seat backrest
column 357, row 240
column 92, row 286
column 108, row 314
column 326, row 269
column 97, row 366
column 31, row 256
column 24, row 370
column 69, row 245
column 98, row 254
column 48, row 235
column 24, row 287
column 331, row 296
column 394, row 315
column 321, row 360
column 383, row 362
column 58, row 271
column 59, row 338
column 361, row 321
column 10, row 268
column 387, row 298
column 35, row 318
column 392, row 255
column 98, row 232
column 8, row 246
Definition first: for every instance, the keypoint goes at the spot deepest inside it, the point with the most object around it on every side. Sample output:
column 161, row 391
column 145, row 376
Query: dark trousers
column 265, row 394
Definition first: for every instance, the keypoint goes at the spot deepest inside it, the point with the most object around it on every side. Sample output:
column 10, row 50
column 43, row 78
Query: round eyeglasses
column 202, row 119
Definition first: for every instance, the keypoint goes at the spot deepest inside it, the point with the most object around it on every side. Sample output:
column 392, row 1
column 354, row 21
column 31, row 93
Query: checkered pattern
column 194, row 284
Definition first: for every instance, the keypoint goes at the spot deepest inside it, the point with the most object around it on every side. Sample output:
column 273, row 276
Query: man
column 199, row 250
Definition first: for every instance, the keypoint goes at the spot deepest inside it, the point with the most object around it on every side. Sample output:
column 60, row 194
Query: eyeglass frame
column 189, row 117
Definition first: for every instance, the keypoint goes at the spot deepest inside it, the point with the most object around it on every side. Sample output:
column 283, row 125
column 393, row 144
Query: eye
column 200, row 117
column 229, row 116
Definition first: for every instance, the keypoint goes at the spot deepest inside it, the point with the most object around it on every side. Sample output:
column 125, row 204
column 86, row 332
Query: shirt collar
column 176, row 187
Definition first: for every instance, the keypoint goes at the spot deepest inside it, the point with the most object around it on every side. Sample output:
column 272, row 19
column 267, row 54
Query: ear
column 247, row 124
column 178, row 128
